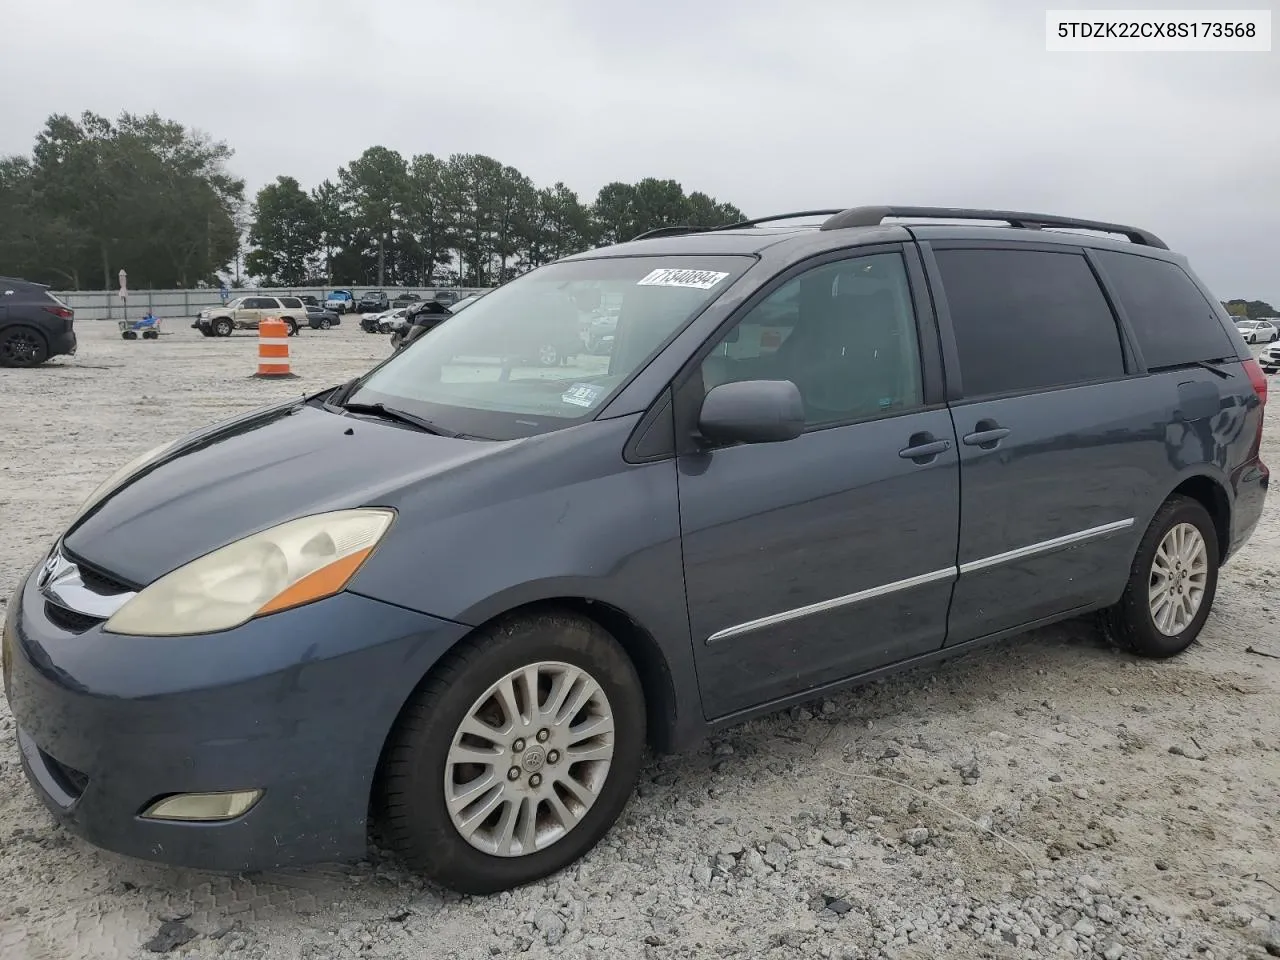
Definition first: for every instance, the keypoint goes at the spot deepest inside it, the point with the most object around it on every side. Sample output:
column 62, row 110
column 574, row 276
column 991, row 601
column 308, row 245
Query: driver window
column 844, row 333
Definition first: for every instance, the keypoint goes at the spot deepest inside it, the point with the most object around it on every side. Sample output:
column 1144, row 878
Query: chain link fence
column 107, row 305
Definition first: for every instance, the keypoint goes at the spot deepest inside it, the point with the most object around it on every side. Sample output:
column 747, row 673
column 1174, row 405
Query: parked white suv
column 244, row 313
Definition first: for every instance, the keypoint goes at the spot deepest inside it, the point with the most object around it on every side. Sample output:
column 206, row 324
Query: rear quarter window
column 1173, row 322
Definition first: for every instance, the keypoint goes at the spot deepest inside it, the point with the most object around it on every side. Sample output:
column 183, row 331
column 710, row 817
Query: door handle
column 923, row 447
column 986, row 435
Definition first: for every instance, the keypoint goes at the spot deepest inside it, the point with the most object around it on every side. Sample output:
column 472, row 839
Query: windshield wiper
column 391, row 413
column 341, row 393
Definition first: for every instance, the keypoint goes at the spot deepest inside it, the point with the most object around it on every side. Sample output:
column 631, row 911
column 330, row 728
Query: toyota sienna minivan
column 812, row 455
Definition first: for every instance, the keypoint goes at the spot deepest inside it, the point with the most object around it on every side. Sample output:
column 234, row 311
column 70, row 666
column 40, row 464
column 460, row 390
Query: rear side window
column 1173, row 322
column 293, row 303
column 1028, row 320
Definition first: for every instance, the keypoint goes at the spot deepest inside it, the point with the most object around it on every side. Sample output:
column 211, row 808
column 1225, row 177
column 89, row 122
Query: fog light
column 203, row 806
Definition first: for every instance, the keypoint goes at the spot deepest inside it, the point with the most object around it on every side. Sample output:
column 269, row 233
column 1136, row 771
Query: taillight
column 62, row 312
column 1257, row 379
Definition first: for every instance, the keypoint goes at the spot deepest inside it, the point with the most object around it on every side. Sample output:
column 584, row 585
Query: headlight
column 119, row 477
column 294, row 563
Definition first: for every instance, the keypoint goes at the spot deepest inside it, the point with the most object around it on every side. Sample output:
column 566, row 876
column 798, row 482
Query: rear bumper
column 62, row 344
column 1251, row 483
column 298, row 705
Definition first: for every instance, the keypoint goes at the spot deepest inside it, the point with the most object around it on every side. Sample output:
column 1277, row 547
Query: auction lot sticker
column 670, row 277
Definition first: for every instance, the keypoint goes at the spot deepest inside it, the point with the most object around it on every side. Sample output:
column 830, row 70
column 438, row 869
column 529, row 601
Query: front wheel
column 223, row 328
column 515, row 756
column 1171, row 585
column 548, row 355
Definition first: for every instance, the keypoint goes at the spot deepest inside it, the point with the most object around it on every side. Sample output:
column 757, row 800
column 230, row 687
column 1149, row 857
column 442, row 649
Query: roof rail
column 872, row 216
column 669, row 231
column 779, row 216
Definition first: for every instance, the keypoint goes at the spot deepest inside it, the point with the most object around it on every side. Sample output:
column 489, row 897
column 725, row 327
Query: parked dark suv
column 34, row 324
column 375, row 301
column 813, row 455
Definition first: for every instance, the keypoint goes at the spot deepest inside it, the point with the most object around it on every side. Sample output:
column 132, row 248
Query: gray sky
column 772, row 106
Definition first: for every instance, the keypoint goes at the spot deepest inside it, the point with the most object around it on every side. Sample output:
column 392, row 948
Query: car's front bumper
column 297, row 704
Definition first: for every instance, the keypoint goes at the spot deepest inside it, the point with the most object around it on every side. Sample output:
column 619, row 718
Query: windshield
column 517, row 363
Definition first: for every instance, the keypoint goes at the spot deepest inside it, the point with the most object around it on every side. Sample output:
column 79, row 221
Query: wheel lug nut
column 513, row 773
column 535, row 781
column 518, row 746
column 543, row 735
column 553, row 756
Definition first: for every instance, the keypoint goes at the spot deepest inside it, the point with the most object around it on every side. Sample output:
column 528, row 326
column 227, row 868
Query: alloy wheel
column 529, row 759
column 1179, row 575
column 21, row 348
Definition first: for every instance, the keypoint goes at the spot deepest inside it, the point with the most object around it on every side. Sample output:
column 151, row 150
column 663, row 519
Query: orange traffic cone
column 273, row 349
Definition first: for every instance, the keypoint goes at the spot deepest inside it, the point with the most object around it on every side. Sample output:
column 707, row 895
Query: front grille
column 69, row 620
column 71, row 780
column 100, row 582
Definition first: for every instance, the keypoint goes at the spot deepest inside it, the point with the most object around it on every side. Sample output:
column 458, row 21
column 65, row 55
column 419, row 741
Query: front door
column 818, row 558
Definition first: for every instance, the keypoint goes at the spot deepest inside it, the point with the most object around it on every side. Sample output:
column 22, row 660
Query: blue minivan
column 811, row 455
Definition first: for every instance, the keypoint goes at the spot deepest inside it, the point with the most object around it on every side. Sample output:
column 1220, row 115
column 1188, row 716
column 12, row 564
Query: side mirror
column 752, row 411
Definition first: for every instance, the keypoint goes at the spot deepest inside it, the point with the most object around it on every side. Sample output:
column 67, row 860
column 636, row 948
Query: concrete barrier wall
column 106, row 305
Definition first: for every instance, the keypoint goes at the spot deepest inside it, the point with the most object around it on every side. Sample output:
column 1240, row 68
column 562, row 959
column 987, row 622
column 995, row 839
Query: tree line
column 150, row 196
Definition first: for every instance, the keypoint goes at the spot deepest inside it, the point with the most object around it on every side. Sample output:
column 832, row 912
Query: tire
column 22, row 346
column 223, row 327
column 325, row 323
column 548, row 355
column 1253, row 338
column 130, row 334
column 292, row 325
column 1131, row 623
column 150, row 335
column 416, row 769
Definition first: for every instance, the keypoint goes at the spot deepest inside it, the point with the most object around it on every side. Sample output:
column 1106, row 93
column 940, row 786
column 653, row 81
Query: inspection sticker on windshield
column 581, row 394
column 698, row 279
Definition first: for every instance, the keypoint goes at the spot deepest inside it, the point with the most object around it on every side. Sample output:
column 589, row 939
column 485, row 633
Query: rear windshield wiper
column 391, row 413
column 1213, row 366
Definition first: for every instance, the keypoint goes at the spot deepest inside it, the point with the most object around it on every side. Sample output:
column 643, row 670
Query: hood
column 251, row 474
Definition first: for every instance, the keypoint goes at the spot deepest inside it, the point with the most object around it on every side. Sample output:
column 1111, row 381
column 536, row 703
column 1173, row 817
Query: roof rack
column 669, row 231
column 778, row 216
column 872, row 216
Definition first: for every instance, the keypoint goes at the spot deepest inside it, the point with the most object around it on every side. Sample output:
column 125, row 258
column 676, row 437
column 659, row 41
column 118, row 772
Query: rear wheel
column 516, row 756
column 292, row 325
column 325, row 323
column 22, row 347
column 1171, row 585
column 548, row 355
column 150, row 335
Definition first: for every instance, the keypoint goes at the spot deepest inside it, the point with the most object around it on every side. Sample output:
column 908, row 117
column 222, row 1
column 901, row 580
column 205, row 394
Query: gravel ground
column 1047, row 797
